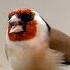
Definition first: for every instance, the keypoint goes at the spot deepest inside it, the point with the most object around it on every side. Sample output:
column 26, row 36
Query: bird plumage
column 28, row 45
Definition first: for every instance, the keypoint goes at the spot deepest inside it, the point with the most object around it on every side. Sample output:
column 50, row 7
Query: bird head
column 26, row 24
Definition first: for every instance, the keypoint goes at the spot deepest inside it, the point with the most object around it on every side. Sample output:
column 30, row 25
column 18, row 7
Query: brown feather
column 61, row 42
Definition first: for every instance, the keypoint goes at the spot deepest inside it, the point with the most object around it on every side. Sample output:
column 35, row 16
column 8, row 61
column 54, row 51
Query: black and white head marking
column 42, row 34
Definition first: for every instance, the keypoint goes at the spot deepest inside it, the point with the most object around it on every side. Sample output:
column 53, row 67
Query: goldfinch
column 28, row 42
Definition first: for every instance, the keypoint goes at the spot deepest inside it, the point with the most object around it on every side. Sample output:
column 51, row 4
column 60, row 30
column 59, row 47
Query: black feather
column 49, row 28
column 26, row 17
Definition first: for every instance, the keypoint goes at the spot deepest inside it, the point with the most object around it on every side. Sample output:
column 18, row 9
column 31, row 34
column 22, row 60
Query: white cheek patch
column 16, row 29
column 14, row 18
column 39, row 19
column 42, row 25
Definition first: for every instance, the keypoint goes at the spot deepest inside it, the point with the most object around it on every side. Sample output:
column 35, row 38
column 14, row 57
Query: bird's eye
column 26, row 17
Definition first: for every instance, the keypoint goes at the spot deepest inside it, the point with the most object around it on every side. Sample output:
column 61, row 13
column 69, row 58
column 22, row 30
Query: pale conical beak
column 16, row 29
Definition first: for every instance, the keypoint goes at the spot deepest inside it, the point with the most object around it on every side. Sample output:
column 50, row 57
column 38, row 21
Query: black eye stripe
column 26, row 17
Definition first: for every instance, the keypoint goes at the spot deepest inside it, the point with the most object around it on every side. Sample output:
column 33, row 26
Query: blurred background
column 55, row 12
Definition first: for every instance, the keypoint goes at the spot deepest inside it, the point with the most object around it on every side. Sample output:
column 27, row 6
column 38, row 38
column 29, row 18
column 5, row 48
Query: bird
column 27, row 39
